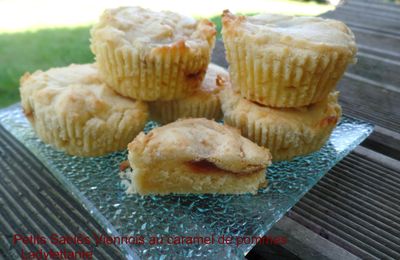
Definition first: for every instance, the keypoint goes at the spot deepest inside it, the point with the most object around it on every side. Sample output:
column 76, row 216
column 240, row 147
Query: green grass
column 43, row 49
column 218, row 24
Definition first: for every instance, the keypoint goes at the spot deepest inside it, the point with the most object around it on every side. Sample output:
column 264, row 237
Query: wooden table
column 353, row 211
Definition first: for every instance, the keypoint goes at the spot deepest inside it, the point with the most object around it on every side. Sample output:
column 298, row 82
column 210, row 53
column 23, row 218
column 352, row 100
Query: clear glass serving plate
column 95, row 182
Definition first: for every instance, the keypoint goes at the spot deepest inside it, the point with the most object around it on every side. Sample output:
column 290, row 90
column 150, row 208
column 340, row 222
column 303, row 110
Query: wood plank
column 374, row 67
column 374, row 156
column 305, row 243
column 374, row 104
column 374, row 10
column 356, row 19
column 385, row 142
column 349, row 205
column 382, row 51
column 53, row 208
column 375, row 4
column 368, row 12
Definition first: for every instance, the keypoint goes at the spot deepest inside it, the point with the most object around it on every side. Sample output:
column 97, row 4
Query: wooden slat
column 380, row 7
column 375, row 10
column 355, row 205
column 33, row 202
column 385, row 141
column 381, row 23
column 375, row 104
column 380, row 69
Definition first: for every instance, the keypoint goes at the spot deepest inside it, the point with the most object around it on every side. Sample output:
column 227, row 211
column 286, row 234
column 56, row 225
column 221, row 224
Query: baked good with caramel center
column 196, row 156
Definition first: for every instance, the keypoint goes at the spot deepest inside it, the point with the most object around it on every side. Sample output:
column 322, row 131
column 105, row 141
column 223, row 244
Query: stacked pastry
column 283, row 74
column 141, row 55
column 160, row 57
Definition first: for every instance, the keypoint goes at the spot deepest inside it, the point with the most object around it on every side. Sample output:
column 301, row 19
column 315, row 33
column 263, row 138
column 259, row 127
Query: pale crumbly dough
column 285, row 61
column 73, row 110
column 150, row 55
column 196, row 156
column 286, row 132
column 204, row 102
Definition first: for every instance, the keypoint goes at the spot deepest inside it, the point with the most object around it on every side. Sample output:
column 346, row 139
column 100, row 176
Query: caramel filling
column 204, row 166
column 29, row 114
column 328, row 121
column 124, row 165
column 197, row 76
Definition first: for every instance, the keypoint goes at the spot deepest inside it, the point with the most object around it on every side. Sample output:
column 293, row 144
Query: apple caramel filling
column 29, row 114
column 204, row 166
column 124, row 165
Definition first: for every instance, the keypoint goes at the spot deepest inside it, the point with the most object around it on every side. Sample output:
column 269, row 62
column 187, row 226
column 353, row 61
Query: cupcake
column 286, row 132
column 73, row 110
column 150, row 55
column 196, row 156
column 284, row 61
column 204, row 102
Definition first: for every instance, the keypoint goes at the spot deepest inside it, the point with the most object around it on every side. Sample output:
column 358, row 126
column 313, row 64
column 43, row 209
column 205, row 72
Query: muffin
column 150, row 55
column 284, row 61
column 204, row 102
column 286, row 132
column 73, row 110
column 196, row 156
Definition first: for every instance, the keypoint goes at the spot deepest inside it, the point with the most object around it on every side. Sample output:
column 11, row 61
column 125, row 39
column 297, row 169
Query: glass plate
column 96, row 184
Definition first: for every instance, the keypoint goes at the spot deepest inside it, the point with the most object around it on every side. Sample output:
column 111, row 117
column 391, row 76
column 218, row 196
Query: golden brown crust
column 195, row 140
column 73, row 110
column 152, row 55
column 283, row 61
column 303, row 32
column 286, row 132
column 204, row 102
column 196, row 156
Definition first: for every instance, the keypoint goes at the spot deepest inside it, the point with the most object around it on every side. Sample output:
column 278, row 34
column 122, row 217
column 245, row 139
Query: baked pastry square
column 73, row 110
column 285, row 61
column 286, row 132
column 203, row 102
column 196, row 156
column 149, row 55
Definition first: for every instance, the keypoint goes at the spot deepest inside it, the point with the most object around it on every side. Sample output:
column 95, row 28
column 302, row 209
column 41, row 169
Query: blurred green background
column 25, row 47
